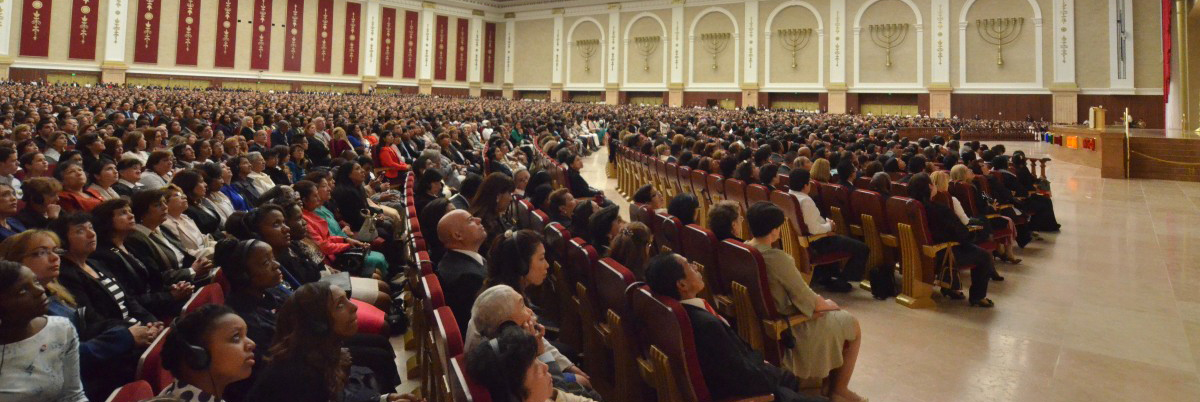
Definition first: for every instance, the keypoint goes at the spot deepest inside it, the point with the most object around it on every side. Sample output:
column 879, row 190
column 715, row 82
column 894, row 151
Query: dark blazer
column 317, row 152
column 206, row 219
column 731, row 368
column 462, row 278
column 278, row 175
column 351, row 200
column 1000, row 191
column 944, row 224
column 246, row 188
column 158, row 257
column 147, row 286
column 579, row 186
column 122, row 190
column 31, row 219
column 103, row 310
column 495, row 166
column 293, row 379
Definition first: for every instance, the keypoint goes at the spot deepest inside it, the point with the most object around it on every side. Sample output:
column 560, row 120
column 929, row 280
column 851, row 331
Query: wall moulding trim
column 41, row 65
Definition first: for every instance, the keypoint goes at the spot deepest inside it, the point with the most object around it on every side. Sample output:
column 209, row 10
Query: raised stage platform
column 1151, row 153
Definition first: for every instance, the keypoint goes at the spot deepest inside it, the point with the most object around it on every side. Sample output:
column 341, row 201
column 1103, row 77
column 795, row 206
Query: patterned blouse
column 44, row 367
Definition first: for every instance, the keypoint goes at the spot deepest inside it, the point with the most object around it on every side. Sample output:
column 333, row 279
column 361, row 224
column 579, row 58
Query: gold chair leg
column 915, row 293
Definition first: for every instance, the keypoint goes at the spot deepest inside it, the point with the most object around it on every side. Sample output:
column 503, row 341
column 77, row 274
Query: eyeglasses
column 45, row 252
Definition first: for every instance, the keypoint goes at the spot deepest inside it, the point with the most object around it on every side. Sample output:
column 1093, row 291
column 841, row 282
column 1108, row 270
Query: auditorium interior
column 972, row 200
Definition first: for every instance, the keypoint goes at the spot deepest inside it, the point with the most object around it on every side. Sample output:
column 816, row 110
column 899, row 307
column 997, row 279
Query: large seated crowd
column 249, row 246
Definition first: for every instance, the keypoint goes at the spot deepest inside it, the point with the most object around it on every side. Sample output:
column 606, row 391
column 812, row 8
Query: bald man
column 462, row 270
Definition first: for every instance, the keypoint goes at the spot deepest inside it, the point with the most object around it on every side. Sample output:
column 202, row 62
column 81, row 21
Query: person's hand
column 52, row 211
column 384, row 186
column 181, row 290
column 347, row 231
column 404, row 398
column 202, row 266
column 356, row 243
column 538, row 331
column 142, row 335
column 581, row 377
column 826, row 305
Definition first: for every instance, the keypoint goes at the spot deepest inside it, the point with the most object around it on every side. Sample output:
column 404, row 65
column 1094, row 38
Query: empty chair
column 581, row 262
column 756, row 193
column 837, row 198
column 879, row 236
column 524, row 208
column 538, row 220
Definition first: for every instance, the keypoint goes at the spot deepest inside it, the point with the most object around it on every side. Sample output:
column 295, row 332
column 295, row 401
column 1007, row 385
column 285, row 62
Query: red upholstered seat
column 640, row 213
column 579, row 269
column 132, row 392
column 211, row 293
column 667, row 230
column 917, row 246
column 735, row 190
column 150, row 368
column 899, row 189
column 462, row 387
column 684, row 183
column 424, row 262
column 758, row 322
column 716, row 186
column 538, row 219
column 524, row 209
column 756, row 193
column 619, row 360
column 699, row 246
column 558, row 239
column 447, row 342
column 434, row 296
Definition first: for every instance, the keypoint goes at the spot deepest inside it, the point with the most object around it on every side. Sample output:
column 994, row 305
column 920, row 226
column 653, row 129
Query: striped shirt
column 114, row 289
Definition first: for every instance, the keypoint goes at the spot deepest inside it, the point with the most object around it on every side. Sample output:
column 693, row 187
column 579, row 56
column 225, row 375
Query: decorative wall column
column 510, row 31
column 1064, row 89
column 112, row 70
column 371, row 34
column 939, row 86
column 675, row 87
column 1120, row 46
column 475, row 63
column 425, row 70
column 556, row 71
column 612, row 87
column 750, row 85
column 837, row 57
column 6, row 59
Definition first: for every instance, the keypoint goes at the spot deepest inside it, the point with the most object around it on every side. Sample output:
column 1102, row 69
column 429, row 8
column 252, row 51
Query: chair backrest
column 684, row 175
column 867, row 202
column 699, row 246
column 666, row 231
column 836, row 195
column 211, row 293
column 433, row 294
column 581, row 261
column 791, row 210
column 965, row 194
column 897, row 175
column 462, row 387
column 699, row 181
column 424, row 262
column 756, row 193
column 908, row 211
column 900, row 189
column 524, row 208
column 150, row 368
column 538, row 219
column 744, row 264
column 132, row 392
column 612, row 279
column 716, row 186
column 671, row 171
column 862, row 182
column 557, row 238
column 639, row 212
column 447, row 338
column 664, row 325
column 981, row 182
column 735, row 190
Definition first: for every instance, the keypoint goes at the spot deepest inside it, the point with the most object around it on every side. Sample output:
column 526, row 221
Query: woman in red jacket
column 389, row 157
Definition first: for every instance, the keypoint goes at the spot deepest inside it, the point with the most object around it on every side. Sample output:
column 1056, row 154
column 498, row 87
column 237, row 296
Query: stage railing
column 969, row 134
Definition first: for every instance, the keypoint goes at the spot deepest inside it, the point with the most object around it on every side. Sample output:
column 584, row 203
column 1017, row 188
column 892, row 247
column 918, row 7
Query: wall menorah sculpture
column 999, row 32
column 888, row 36
column 795, row 39
column 646, row 45
column 587, row 49
column 714, row 44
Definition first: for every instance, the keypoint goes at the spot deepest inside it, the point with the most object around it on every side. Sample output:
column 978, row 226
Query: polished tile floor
column 1106, row 310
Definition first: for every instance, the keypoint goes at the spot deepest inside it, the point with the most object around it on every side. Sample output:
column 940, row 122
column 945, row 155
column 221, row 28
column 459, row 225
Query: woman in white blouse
column 941, row 180
column 103, row 174
column 182, row 226
column 40, row 354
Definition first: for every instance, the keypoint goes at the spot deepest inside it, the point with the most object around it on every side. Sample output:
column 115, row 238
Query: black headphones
column 194, row 356
column 240, row 254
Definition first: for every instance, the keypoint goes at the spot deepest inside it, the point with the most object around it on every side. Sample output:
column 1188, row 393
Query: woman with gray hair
column 501, row 304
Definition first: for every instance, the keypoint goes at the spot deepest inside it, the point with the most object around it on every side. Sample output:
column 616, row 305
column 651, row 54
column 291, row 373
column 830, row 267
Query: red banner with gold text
column 187, row 40
column 410, row 44
column 145, row 31
column 35, row 28
column 324, row 51
column 226, row 45
column 460, row 50
column 489, row 53
column 387, row 51
column 83, row 29
column 350, row 56
column 439, row 55
column 293, row 36
column 260, row 55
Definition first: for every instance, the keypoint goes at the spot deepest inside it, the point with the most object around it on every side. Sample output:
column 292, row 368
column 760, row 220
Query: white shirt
column 958, row 210
column 816, row 223
column 152, row 181
column 139, row 155
column 188, row 233
column 475, row 255
column 220, row 202
column 262, row 182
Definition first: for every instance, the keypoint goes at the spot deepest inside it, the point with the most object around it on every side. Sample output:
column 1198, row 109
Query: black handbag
column 354, row 261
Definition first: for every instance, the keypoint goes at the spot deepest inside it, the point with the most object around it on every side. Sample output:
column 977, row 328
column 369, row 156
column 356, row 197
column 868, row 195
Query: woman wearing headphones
column 308, row 361
column 206, row 351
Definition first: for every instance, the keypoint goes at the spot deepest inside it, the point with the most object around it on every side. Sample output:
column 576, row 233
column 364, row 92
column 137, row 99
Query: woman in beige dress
column 825, row 345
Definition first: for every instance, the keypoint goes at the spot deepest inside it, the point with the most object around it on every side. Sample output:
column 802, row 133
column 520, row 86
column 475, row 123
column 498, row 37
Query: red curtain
column 226, row 46
column 1168, row 8
column 410, row 44
column 35, row 28
column 187, row 41
column 145, row 32
column 387, row 51
column 439, row 56
column 83, row 30
column 324, row 51
column 350, row 58
column 260, row 55
column 293, row 35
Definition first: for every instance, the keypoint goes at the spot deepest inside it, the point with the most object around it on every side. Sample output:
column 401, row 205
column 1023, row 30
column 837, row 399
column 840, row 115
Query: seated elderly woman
column 509, row 367
column 684, row 206
column 501, row 304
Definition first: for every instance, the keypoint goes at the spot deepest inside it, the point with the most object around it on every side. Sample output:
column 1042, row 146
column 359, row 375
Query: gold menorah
column 888, row 36
column 714, row 44
column 587, row 49
column 646, row 45
column 795, row 39
column 999, row 32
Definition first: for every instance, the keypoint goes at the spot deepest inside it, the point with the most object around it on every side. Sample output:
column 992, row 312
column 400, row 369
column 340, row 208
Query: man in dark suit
column 730, row 367
column 462, row 270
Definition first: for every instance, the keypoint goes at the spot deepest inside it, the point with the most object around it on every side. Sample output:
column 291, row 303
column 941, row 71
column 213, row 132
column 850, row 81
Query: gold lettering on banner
column 294, row 31
column 225, row 25
column 147, row 17
column 837, row 39
column 387, row 40
column 36, row 19
column 353, row 36
column 83, row 21
column 324, row 31
column 1064, row 45
column 262, row 27
column 189, row 20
